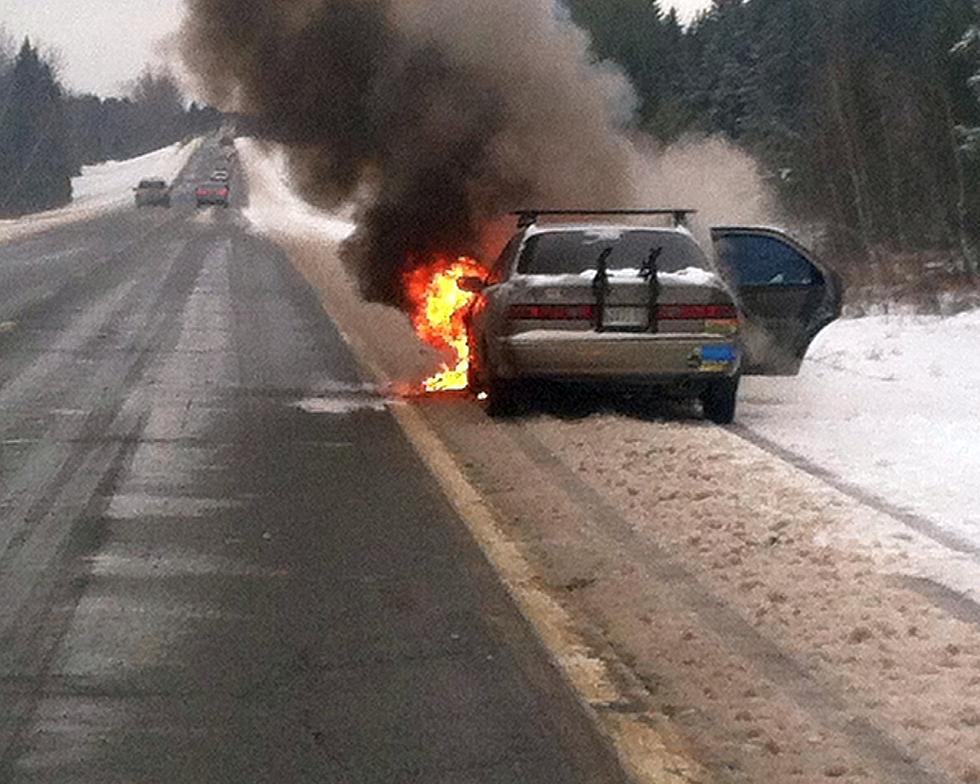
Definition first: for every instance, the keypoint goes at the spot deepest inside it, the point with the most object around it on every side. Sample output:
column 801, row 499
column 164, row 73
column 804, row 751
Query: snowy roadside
column 889, row 403
column 104, row 188
column 788, row 631
column 275, row 207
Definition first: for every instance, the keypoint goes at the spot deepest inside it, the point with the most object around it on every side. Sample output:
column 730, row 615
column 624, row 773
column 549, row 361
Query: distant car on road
column 637, row 307
column 152, row 193
column 220, row 175
column 213, row 193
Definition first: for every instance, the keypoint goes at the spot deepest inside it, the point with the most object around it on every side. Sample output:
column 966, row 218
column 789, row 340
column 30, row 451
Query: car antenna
column 651, row 272
column 600, row 285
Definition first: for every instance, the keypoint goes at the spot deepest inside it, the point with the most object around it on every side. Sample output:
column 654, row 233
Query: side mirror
column 471, row 284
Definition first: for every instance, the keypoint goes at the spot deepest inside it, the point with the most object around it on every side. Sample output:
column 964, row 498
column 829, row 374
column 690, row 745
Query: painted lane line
column 646, row 755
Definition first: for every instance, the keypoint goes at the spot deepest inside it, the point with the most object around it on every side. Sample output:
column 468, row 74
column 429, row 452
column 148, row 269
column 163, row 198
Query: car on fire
column 644, row 306
column 152, row 193
column 213, row 193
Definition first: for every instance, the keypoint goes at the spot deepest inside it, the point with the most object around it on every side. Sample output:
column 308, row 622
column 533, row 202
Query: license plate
column 717, row 358
column 627, row 316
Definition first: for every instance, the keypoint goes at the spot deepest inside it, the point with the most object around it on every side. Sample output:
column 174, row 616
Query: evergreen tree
column 856, row 108
column 35, row 168
column 967, row 53
column 629, row 33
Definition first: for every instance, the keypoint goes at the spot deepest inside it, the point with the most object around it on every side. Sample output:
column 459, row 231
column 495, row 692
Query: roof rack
column 527, row 218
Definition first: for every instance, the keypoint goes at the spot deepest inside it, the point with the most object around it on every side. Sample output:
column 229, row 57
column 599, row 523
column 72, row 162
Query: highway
column 220, row 559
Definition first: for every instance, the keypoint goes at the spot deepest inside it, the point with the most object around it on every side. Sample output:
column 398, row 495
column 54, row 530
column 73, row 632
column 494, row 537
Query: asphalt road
column 220, row 560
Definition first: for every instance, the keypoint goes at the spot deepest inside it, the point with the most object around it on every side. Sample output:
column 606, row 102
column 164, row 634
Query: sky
column 103, row 44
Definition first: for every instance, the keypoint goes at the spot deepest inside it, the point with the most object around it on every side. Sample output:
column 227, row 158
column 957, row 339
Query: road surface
column 220, row 560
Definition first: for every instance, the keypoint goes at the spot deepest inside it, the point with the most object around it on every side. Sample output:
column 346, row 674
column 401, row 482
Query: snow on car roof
column 612, row 231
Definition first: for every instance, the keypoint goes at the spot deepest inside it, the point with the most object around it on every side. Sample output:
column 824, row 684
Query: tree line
column 864, row 114
column 47, row 134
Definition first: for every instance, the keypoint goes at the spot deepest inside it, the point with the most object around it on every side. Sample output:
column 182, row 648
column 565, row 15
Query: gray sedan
column 636, row 307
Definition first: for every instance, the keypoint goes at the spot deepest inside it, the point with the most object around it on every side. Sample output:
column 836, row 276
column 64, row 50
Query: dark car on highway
column 152, row 193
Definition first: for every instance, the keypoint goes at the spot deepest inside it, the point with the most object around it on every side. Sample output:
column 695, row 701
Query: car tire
column 720, row 400
column 505, row 398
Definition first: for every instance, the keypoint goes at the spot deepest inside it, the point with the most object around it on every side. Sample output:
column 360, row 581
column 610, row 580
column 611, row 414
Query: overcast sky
column 105, row 43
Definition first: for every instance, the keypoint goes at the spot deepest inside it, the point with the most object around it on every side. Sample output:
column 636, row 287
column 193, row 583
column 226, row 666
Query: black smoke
column 433, row 117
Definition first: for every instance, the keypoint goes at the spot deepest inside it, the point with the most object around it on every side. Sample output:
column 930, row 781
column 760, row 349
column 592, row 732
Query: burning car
column 638, row 306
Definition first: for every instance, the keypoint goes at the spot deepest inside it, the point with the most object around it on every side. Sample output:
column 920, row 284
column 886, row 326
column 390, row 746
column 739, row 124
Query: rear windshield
column 152, row 184
column 577, row 252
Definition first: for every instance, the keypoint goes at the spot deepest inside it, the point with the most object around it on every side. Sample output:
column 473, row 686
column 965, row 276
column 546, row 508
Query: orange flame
column 440, row 308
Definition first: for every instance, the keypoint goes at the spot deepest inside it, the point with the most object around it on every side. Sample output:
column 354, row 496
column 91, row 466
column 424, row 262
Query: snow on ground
column 104, row 188
column 274, row 206
column 891, row 404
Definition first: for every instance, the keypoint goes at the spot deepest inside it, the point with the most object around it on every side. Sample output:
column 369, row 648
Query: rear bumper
column 616, row 357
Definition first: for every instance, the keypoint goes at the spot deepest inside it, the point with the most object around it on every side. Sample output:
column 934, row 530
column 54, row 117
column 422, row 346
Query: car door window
column 758, row 260
column 785, row 296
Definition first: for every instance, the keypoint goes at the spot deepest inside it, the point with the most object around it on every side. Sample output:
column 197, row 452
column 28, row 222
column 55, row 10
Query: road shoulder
column 715, row 590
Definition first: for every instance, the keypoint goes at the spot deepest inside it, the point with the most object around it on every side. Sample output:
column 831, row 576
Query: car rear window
column 577, row 252
column 152, row 184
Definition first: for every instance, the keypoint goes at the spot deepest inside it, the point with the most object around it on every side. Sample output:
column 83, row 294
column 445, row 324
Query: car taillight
column 697, row 313
column 223, row 192
column 552, row 312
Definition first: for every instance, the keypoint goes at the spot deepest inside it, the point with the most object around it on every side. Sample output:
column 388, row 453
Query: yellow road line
column 649, row 754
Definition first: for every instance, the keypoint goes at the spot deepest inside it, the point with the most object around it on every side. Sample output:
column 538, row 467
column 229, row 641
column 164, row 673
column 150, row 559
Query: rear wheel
column 505, row 398
column 720, row 400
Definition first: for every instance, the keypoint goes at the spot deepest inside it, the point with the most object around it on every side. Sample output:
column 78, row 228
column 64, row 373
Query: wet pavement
column 220, row 560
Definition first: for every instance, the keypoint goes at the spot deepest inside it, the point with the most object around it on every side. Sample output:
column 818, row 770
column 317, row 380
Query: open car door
column 786, row 295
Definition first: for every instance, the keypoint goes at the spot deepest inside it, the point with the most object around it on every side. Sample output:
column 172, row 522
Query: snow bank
column 104, row 188
column 891, row 405
column 274, row 206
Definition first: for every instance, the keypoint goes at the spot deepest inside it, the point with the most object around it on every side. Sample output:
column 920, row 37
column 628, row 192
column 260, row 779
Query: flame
column 439, row 312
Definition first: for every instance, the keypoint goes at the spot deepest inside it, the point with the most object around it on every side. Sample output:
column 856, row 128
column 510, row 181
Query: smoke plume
column 432, row 116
